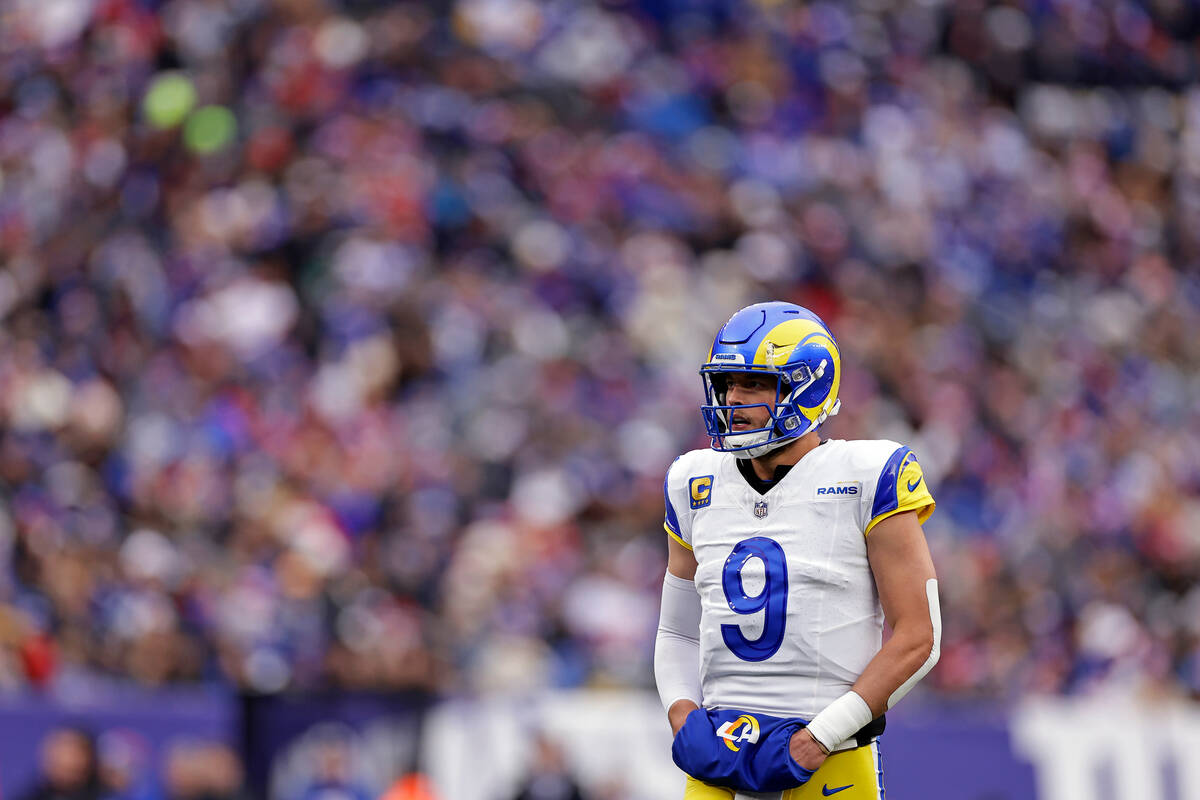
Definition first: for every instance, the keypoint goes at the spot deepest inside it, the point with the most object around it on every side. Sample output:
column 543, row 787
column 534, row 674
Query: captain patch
column 700, row 491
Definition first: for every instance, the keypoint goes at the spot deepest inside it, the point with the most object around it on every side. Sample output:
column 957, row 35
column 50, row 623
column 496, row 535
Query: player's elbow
column 917, row 650
column 931, row 648
column 922, row 647
column 923, row 633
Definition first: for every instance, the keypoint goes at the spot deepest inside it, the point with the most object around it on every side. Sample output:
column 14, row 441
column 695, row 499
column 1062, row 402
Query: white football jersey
column 789, row 611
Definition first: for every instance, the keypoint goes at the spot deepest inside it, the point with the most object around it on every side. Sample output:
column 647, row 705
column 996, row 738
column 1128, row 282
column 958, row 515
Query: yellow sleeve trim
column 924, row 511
column 675, row 536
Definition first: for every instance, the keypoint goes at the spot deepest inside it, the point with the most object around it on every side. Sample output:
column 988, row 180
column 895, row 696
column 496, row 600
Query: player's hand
column 805, row 751
column 677, row 714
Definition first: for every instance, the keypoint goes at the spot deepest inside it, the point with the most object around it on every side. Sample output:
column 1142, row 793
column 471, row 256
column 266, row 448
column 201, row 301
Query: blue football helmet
column 794, row 346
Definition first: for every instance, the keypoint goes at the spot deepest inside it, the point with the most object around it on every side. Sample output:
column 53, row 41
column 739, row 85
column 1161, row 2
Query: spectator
column 332, row 779
column 126, row 766
column 549, row 778
column 204, row 771
column 69, row 768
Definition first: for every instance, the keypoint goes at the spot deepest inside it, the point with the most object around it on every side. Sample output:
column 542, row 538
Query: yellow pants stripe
column 849, row 775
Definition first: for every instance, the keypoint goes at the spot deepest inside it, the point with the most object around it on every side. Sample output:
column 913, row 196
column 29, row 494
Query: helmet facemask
column 786, row 422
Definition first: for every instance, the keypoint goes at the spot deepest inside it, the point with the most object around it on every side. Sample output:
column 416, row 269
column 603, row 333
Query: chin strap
column 761, row 450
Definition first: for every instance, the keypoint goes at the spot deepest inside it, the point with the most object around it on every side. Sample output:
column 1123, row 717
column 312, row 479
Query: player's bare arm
column 681, row 562
column 902, row 566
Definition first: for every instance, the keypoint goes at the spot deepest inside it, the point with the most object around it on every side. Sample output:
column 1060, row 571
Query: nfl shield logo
column 760, row 509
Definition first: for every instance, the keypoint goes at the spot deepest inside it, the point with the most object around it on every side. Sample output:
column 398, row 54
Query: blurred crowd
column 120, row 764
column 117, row 765
column 346, row 343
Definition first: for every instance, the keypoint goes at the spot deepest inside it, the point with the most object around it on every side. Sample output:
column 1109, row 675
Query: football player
column 786, row 554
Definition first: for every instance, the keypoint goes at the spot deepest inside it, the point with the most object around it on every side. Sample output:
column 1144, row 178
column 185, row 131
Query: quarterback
column 786, row 553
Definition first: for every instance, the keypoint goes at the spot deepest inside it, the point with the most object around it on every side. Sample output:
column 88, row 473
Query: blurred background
column 344, row 345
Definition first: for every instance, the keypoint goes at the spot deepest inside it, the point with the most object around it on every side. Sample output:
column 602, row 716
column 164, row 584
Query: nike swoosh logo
column 825, row 790
column 912, row 487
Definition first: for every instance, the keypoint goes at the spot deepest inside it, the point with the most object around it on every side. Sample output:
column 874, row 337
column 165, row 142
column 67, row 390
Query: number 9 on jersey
column 771, row 601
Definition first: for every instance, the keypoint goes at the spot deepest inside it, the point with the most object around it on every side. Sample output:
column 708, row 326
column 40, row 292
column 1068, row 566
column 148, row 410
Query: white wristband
column 840, row 720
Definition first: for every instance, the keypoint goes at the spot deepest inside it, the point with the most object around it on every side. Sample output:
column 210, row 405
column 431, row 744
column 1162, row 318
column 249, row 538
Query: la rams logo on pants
column 742, row 729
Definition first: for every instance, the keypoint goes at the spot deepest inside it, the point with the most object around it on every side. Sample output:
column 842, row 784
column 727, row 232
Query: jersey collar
column 760, row 485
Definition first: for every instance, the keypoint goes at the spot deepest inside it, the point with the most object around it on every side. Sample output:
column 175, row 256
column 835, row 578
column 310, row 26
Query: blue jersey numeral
column 772, row 600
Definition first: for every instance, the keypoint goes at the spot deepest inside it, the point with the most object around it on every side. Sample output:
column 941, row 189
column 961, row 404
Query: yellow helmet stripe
column 777, row 345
